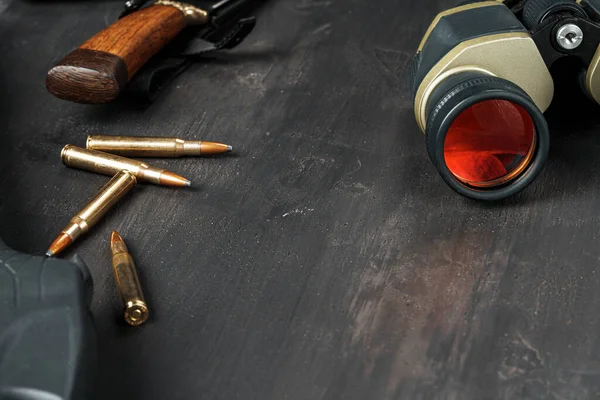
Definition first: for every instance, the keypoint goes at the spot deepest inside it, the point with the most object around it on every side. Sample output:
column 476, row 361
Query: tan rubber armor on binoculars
column 510, row 55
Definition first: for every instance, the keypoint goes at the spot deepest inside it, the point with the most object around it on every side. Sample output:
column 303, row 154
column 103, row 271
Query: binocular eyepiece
column 481, row 83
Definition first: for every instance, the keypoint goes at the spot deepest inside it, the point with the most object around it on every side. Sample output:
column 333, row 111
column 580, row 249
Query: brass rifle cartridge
column 130, row 290
column 109, row 164
column 132, row 146
column 88, row 216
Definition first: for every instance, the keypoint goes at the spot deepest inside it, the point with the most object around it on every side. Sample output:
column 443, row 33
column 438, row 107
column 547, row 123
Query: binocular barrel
column 481, row 82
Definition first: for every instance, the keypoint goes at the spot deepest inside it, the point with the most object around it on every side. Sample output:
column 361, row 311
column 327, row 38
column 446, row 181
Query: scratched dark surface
column 326, row 259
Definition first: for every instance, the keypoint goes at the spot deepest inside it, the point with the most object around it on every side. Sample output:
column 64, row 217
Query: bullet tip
column 188, row 183
column 208, row 148
column 170, row 179
column 115, row 237
column 117, row 244
column 62, row 241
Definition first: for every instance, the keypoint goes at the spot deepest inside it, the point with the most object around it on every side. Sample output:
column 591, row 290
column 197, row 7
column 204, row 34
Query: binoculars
column 481, row 82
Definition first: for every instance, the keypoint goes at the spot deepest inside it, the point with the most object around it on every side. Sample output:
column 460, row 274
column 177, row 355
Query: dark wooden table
column 325, row 259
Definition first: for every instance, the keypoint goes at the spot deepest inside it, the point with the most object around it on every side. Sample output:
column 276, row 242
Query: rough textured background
column 325, row 259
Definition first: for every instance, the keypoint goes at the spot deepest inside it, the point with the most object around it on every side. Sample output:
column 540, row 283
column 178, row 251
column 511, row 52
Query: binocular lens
column 485, row 135
column 490, row 143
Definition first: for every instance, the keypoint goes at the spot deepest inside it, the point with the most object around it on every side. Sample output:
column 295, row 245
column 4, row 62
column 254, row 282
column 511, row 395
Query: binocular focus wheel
column 535, row 11
column 486, row 137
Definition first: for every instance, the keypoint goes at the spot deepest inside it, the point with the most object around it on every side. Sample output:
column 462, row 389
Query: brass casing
column 144, row 146
column 108, row 196
column 108, row 164
column 135, row 307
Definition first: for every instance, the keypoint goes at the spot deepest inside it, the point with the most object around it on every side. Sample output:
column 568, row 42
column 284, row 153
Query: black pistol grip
column 47, row 340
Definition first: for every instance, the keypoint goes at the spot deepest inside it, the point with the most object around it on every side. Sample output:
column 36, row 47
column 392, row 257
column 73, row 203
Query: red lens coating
column 489, row 143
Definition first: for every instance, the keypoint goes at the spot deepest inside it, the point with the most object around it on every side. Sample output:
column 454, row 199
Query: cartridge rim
column 63, row 152
column 136, row 312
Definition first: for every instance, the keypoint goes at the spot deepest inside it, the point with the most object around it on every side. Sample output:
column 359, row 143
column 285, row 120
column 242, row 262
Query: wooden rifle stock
column 99, row 70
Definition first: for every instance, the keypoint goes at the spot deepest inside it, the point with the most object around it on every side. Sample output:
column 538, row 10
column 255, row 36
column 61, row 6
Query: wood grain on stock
column 101, row 67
